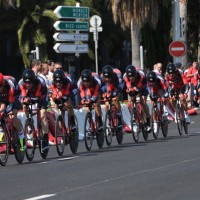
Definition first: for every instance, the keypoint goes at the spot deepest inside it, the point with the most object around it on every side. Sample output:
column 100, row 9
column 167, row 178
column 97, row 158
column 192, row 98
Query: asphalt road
column 166, row 169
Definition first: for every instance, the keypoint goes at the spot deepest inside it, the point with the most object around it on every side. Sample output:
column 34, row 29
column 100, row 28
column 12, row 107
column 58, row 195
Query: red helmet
column 1, row 79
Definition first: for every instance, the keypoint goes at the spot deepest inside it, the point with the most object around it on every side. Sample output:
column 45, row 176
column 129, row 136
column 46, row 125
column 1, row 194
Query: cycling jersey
column 8, row 92
column 38, row 89
column 66, row 90
column 159, row 88
column 178, row 80
column 140, row 80
column 113, row 86
column 91, row 92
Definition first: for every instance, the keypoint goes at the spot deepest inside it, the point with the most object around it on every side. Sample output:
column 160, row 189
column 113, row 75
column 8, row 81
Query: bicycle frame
column 138, row 118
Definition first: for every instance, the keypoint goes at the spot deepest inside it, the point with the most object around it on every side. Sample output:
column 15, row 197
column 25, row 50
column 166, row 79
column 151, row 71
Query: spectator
column 36, row 66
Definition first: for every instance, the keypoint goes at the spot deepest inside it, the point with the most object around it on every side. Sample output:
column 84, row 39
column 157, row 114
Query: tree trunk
column 135, row 43
column 183, row 17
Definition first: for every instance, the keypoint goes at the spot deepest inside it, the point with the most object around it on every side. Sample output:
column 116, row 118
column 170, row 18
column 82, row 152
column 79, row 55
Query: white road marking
column 132, row 174
column 60, row 159
column 41, row 197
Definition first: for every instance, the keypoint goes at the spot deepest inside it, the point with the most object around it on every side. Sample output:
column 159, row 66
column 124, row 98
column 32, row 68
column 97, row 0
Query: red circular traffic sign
column 177, row 49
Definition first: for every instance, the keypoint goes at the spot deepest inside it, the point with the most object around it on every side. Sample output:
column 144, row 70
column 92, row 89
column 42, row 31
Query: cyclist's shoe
column 187, row 118
column 45, row 142
column 1, row 136
column 155, row 127
column 135, row 127
column 165, row 112
column 22, row 144
column 120, row 124
column 148, row 125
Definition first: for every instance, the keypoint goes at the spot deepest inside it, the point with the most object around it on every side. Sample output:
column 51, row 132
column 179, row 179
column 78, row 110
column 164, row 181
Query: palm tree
column 133, row 14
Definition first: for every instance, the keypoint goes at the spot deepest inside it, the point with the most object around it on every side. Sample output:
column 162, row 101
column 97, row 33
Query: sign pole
column 96, row 45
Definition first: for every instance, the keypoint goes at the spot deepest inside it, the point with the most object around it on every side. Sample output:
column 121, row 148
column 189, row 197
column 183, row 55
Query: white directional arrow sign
column 70, row 37
column 71, row 48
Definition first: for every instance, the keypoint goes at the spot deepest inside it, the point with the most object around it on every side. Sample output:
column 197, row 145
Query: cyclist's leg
column 44, row 122
column 143, row 101
column 2, row 107
column 118, row 110
column 185, row 107
column 70, row 110
column 18, row 125
column 97, row 108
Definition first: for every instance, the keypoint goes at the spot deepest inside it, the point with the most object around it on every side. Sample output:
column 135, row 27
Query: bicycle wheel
column 30, row 137
column 144, row 126
column 155, row 123
column 119, row 133
column 108, row 128
column 73, row 138
column 43, row 152
column 4, row 147
column 60, row 135
column 19, row 155
column 178, row 119
column 88, row 135
column 99, row 135
column 164, row 126
column 135, row 125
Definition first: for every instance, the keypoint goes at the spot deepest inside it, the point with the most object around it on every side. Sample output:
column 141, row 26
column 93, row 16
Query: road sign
column 99, row 29
column 177, row 48
column 71, row 48
column 72, row 12
column 76, row 26
column 70, row 37
column 95, row 20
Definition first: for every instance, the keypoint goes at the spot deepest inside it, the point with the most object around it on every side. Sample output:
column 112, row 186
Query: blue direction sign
column 72, row 12
column 75, row 26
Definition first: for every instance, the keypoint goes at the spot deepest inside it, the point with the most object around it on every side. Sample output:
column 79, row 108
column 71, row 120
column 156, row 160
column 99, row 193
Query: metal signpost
column 95, row 22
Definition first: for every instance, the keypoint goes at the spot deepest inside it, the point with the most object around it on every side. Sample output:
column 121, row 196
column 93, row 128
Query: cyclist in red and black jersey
column 62, row 91
column 89, row 87
column 136, row 82
column 31, row 86
column 178, row 82
column 157, row 87
column 112, row 88
column 9, row 101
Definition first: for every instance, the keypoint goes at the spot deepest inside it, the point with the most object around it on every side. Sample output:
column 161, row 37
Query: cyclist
column 62, row 91
column 177, row 81
column 89, row 87
column 31, row 86
column 111, row 88
column 9, row 101
column 136, row 82
column 157, row 88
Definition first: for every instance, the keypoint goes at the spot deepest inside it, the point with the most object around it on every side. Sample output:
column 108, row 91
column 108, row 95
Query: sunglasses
column 58, row 68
